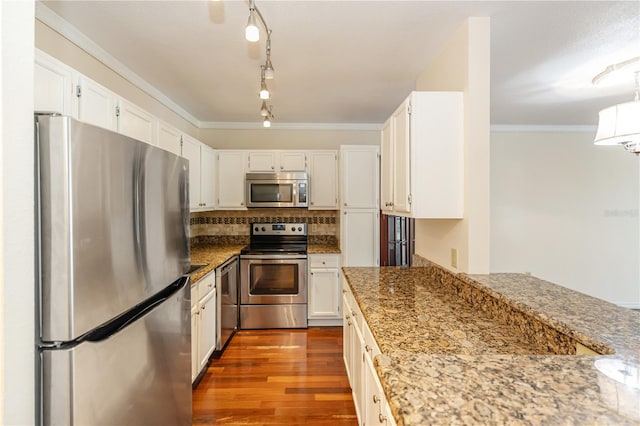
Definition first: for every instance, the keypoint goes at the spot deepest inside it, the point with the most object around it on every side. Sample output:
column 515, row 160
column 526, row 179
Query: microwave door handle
column 294, row 195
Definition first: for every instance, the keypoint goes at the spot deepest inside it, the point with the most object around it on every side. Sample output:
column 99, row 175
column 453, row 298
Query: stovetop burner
column 277, row 238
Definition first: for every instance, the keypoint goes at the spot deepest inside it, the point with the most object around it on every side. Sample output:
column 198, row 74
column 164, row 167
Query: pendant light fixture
column 620, row 124
column 252, row 34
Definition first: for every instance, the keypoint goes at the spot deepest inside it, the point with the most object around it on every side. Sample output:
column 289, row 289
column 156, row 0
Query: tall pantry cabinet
column 359, row 205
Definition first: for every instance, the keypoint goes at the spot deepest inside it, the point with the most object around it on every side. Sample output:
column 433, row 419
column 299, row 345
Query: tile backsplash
column 234, row 225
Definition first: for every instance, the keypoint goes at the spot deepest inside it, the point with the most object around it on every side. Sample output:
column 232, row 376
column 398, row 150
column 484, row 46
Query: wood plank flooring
column 277, row 377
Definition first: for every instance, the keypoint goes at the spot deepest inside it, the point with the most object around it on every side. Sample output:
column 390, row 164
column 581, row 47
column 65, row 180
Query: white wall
column 464, row 65
column 17, row 340
column 286, row 138
column 56, row 45
column 566, row 211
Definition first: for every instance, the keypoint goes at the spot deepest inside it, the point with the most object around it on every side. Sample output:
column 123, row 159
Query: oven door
column 273, row 279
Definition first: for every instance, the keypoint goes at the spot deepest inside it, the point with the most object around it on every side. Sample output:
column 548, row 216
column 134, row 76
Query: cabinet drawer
column 324, row 261
column 370, row 344
column 206, row 285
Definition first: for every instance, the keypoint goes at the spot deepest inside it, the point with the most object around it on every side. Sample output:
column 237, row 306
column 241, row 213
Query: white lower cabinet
column 203, row 323
column 195, row 365
column 324, row 290
column 360, row 349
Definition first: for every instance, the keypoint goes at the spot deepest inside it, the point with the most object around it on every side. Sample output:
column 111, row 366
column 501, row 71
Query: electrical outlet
column 454, row 257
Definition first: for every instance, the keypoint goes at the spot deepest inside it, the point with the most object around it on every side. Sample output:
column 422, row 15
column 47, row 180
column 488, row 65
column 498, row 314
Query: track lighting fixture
column 266, row 112
column 264, row 90
column 252, row 33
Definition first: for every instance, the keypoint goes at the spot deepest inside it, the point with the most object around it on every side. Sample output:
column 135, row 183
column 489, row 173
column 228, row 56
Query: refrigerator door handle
column 118, row 323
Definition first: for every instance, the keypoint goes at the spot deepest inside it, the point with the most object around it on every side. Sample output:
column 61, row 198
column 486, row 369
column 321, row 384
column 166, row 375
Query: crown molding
column 58, row 24
column 525, row 128
column 291, row 126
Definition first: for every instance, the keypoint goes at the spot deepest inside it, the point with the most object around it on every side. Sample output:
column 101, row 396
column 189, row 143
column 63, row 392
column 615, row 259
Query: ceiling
column 355, row 61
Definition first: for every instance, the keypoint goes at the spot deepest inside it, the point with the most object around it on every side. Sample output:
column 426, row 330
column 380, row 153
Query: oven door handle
column 273, row 256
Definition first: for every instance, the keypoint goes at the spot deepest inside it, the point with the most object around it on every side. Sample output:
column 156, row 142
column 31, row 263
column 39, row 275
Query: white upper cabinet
column 323, row 180
column 422, row 157
column 360, row 175
column 277, row 161
column 293, row 161
column 386, row 169
column 168, row 137
column 96, row 104
column 207, row 177
column 231, row 171
column 135, row 122
column 53, row 85
column 191, row 151
column 202, row 163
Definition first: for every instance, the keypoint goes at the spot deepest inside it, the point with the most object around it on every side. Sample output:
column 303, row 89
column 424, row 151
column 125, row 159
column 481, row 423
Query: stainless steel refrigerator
column 114, row 311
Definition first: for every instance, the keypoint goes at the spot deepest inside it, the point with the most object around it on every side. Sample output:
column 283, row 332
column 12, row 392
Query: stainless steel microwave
column 277, row 189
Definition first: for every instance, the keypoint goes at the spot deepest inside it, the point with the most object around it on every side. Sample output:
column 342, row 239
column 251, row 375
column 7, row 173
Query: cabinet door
column 324, row 293
column 323, row 180
column 168, row 137
column 191, row 151
column 401, row 155
column 135, row 122
column 360, row 237
column 386, row 169
column 97, row 105
column 231, row 170
column 347, row 332
column 262, row 161
column 357, row 372
column 207, row 329
column 195, row 364
column 292, row 161
column 207, row 176
column 52, row 85
column 360, row 174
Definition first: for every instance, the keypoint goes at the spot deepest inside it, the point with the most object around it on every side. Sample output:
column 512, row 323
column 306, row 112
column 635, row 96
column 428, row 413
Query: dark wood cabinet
column 397, row 240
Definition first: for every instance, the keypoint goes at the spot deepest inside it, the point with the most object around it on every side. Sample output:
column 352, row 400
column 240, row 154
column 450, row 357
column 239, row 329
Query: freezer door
column 138, row 376
column 114, row 224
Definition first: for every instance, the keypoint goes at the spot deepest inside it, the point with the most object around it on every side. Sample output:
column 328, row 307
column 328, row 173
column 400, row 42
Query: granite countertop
column 323, row 248
column 447, row 361
column 214, row 255
column 211, row 255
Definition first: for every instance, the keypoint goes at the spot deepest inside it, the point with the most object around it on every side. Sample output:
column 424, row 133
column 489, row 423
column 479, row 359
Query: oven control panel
column 278, row 229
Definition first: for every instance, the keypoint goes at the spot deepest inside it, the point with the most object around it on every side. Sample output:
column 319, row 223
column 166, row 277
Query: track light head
column 251, row 31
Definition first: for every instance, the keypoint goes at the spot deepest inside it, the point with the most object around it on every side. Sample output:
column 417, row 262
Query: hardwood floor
column 268, row 377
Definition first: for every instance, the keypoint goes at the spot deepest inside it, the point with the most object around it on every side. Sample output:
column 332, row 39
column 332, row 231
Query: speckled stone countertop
column 211, row 255
column 214, row 255
column 460, row 349
column 323, row 249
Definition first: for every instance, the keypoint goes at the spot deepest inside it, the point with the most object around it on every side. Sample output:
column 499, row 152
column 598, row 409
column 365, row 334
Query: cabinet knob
column 382, row 418
column 312, row 203
column 345, row 204
column 324, row 263
column 281, row 167
column 242, row 204
column 272, row 167
column 344, row 290
column 368, row 349
column 204, row 306
column 376, row 399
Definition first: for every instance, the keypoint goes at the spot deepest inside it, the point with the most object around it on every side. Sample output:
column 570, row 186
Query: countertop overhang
column 481, row 349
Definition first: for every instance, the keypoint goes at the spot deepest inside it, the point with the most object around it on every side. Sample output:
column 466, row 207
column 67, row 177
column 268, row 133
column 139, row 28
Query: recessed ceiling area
column 355, row 61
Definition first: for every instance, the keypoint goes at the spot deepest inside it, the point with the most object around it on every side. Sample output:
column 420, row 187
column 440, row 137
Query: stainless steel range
column 273, row 277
